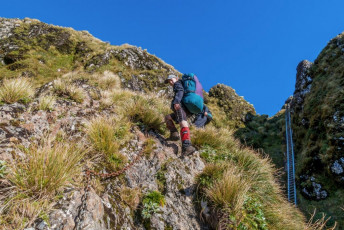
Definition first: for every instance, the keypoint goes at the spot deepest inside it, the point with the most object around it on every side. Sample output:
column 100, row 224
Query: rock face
column 318, row 97
column 311, row 189
column 93, row 210
column 7, row 25
column 303, row 84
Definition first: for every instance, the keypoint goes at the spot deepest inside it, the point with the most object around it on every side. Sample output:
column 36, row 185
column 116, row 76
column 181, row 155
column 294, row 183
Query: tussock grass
column 230, row 191
column 60, row 86
column 105, row 99
column 319, row 224
column 48, row 168
column 146, row 109
column 46, row 103
column 34, row 181
column 213, row 137
column 109, row 81
column 65, row 88
column 76, row 93
column 241, row 185
column 131, row 196
column 16, row 89
column 107, row 135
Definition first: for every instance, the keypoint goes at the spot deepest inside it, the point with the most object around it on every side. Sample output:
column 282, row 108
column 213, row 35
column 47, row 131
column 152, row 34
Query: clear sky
column 252, row 46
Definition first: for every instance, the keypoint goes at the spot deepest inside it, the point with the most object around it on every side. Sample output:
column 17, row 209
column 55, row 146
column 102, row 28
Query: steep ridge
column 70, row 102
column 318, row 124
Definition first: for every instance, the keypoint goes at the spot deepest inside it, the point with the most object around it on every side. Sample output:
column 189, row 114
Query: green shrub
column 151, row 203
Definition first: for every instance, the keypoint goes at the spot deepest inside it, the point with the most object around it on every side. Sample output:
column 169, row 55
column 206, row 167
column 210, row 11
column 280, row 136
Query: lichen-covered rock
column 311, row 189
column 337, row 169
column 303, row 83
column 7, row 25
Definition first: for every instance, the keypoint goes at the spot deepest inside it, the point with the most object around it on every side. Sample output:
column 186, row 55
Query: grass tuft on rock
column 107, row 135
column 69, row 90
column 16, row 90
column 145, row 109
column 237, row 180
column 46, row 103
column 35, row 181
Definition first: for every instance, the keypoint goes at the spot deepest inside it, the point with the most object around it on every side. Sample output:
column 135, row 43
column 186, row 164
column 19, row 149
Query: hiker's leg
column 169, row 123
column 174, row 135
column 184, row 132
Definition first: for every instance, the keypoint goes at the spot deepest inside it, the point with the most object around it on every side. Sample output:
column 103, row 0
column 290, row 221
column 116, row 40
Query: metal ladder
column 290, row 158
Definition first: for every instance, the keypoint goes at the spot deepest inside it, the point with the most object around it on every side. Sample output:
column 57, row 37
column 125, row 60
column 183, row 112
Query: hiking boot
column 188, row 150
column 174, row 136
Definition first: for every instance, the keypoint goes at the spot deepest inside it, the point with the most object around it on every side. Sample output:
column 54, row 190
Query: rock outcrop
column 21, row 124
column 303, row 84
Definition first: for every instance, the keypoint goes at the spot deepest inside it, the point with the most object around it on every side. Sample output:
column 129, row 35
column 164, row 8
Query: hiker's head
column 171, row 79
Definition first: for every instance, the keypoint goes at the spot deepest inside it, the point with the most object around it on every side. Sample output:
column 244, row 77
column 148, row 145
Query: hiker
column 179, row 115
column 203, row 118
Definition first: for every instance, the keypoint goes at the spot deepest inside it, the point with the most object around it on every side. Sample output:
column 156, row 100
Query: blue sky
column 252, row 46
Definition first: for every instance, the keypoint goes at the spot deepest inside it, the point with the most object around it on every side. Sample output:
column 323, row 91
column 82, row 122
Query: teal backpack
column 193, row 93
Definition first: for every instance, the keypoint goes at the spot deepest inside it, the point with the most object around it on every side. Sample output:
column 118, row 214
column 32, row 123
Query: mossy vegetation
column 265, row 135
column 152, row 202
column 318, row 130
column 229, row 109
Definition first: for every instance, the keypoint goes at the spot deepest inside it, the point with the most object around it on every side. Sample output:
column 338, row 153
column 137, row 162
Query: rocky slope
column 89, row 105
column 21, row 125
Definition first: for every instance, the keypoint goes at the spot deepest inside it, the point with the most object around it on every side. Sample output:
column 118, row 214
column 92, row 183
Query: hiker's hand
column 177, row 106
column 205, row 114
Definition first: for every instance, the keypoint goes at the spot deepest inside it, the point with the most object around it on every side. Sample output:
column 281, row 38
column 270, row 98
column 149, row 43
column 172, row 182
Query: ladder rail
column 293, row 156
column 290, row 159
column 286, row 133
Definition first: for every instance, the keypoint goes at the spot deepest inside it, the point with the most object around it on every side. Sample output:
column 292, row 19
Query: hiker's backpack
column 193, row 93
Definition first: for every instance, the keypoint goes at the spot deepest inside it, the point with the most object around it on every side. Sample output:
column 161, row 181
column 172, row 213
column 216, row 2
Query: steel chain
column 79, row 218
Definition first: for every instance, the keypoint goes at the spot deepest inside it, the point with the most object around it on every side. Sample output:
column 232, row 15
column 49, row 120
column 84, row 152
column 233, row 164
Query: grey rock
column 337, row 168
column 303, row 83
column 312, row 190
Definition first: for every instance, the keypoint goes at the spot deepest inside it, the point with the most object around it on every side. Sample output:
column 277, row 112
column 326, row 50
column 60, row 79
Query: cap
column 169, row 78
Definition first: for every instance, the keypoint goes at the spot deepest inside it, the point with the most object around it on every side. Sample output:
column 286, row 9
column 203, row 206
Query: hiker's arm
column 179, row 93
column 206, row 110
